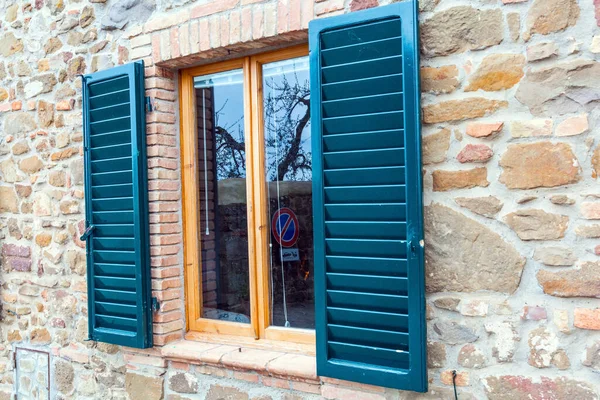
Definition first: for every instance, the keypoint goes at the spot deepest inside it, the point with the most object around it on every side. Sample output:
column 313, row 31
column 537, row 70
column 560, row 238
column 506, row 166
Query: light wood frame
column 258, row 226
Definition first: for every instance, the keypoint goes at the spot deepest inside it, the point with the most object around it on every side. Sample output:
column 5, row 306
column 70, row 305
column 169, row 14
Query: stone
column 596, row 162
column 76, row 67
column 470, row 356
column 561, row 200
column 438, row 80
column 459, row 110
column 588, row 231
column 10, row 44
column 506, row 338
column 45, row 113
column 436, row 354
column 43, row 239
column 573, row 126
column 574, row 282
column 513, row 20
column 10, row 14
column 8, row 200
column 459, row 29
column 477, row 153
column 363, row 4
column 541, row 51
column 548, row 16
column 453, row 333
column 595, row 45
column 20, row 147
column 463, row 255
column 542, row 346
column 560, row 89
column 532, row 128
column 481, row 130
column 464, row 179
column 10, row 172
column 18, row 123
column 183, row 382
column 539, row 164
column 486, row 206
column 40, row 336
column 31, row 165
column 561, row 320
column 560, row 360
column 447, row 303
column 57, row 178
column 533, row 224
column 217, row 392
column 86, row 17
column 590, row 210
column 141, row 387
column 534, row 313
column 42, row 205
column 474, row 308
column 428, row 5
column 523, row 388
column 592, row 356
column 125, row 12
column 497, row 72
column 52, row 45
column 64, row 375
column 435, row 147
column 555, row 256
column 453, row 377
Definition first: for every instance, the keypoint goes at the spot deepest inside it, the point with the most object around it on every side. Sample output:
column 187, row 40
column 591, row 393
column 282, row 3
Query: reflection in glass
column 288, row 173
column 223, row 218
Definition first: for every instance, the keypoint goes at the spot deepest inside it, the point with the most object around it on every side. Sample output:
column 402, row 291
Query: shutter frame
column 119, row 333
column 415, row 377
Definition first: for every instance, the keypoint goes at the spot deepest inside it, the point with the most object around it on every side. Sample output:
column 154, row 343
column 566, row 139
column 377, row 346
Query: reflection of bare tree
column 287, row 114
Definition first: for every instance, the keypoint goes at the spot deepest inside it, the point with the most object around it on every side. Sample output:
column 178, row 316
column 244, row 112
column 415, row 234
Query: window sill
column 262, row 359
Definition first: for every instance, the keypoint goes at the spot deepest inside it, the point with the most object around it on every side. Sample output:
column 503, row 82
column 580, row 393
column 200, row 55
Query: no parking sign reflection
column 285, row 227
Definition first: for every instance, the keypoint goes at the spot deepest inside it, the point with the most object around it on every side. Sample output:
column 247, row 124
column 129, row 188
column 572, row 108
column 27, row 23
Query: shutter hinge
column 87, row 232
column 14, row 359
column 148, row 101
column 155, row 304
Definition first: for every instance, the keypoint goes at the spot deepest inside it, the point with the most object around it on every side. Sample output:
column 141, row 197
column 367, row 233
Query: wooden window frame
column 258, row 227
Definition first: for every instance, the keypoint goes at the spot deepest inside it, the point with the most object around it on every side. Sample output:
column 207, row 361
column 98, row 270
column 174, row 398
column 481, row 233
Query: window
column 247, row 187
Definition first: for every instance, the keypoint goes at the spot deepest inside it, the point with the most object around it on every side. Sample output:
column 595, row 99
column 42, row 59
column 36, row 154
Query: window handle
column 87, row 232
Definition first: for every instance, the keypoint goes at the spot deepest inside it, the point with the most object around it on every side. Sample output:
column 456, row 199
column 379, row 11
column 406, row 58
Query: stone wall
column 511, row 117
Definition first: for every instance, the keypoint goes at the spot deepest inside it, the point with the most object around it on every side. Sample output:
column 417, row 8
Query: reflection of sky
column 296, row 72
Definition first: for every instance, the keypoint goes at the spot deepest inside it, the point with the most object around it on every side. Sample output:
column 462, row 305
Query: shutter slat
column 365, row 212
column 114, row 244
column 110, row 125
column 111, row 164
column 365, row 283
column 108, row 152
column 356, row 70
column 364, row 176
column 113, row 217
column 368, row 104
column 360, row 34
column 366, row 194
column 363, row 87
column 116, row 270
column 366, row 248
column 369, row 355
column 366, row 265
column 367, row 205
column 107, row 99
column 115, row 296
column 111, row 138
column 114, row 322
column 116, row 283
column 368, row 319
column 118, row 310
column 366, row 230
column 361, row 51
column 114, row 257
column 119, row 230
column 110, row 112
column 113, row 204
column 363, row 141
column 109, row 87
column 368, row 337
column 110, row 191
column 112, row 178
column 364, row 159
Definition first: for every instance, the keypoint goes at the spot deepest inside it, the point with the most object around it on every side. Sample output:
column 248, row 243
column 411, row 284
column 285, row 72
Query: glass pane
column 288, row 171
column 222, row 196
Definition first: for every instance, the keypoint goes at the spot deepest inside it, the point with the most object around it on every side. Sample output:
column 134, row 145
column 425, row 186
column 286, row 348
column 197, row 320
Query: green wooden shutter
column 368, row 225
column 116, row 200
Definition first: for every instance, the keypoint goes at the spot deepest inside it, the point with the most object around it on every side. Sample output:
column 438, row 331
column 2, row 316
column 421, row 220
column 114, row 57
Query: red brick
column 168, row 317
column 246, row 376
column 204, row 34
column 337, row 392
column 164, row 284
column 164, row 250
column 159, row 273
column 145, row 360
column 212, row 7
column 276, row 382
column 246, row 24
column 282, row 16
column 161, row 218
column 295, row 15
column 224, row 30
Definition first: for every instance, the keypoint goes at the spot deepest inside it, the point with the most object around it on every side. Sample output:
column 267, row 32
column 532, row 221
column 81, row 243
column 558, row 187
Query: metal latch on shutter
column 155, row 304
column 87, row 232
column 148, row 101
